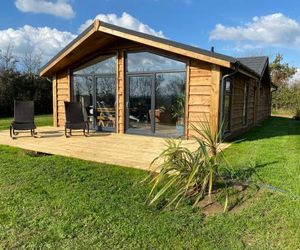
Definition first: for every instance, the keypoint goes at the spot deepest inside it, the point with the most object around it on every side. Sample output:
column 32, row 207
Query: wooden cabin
column 131, row 82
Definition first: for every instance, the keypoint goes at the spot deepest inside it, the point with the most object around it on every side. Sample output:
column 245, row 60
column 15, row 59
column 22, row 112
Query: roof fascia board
column 248, row 74
column 163, row 46
column 71, row 46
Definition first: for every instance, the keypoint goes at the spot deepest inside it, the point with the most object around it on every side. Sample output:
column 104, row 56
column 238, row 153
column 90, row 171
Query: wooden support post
column 187, row 94
column 54, row 100
column 215, row 97
column 121, row 92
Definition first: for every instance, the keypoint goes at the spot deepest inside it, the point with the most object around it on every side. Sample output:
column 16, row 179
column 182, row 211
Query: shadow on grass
column 273, row 127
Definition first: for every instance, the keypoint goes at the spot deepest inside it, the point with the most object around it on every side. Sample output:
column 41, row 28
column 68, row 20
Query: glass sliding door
column 155, row 97
column 169, row 104
column 94, row 85
column 139, row 104
column 106, row 103
column 83, row 91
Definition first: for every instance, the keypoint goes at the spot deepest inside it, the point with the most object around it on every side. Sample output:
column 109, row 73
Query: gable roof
column 101, row 30
column 256, row 63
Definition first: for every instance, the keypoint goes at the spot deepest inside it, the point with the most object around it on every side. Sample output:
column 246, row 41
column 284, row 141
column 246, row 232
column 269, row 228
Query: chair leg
column 66, row 134
column 33, row 133
column 11, row 132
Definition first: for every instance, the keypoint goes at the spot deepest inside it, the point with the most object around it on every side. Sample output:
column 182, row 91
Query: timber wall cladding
column 199, row 93
column 264, row 102
column 62, row 95
column 237, row 121
column 120, row 91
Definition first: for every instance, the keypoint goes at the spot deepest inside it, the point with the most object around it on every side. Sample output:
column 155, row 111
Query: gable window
column 245, row 103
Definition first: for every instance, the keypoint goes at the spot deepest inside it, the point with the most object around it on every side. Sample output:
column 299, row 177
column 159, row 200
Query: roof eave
column 128, row 34
column 72, row 45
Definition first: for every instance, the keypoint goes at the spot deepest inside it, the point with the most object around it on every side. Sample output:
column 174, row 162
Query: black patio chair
column 23, row 118
column 75, row 118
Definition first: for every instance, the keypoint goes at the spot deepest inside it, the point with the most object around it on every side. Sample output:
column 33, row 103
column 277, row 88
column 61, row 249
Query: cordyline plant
column 182, row 173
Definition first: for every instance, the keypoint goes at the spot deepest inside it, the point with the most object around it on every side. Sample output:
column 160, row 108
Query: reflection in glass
column 101, row 65
column 149, row 62
column 140, row 89
column 227, row 105
column 83, row 92
column 157, row 94
column 94, row 86
column 169, row 104
column 105, row 102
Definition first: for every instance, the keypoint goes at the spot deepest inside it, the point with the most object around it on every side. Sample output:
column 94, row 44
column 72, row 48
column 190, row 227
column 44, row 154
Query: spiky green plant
column 184, row 173
column 208, row 134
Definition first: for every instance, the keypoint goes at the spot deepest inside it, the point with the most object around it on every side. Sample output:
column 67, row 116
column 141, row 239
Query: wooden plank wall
column 199, row 94
column 237, row 124
column 264, row 102
column 121, row 92
column 63, row 94
column 54, row 100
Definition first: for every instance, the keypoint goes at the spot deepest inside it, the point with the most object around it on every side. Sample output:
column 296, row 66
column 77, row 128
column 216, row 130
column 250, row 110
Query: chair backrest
column 24, row 111
column 74, row 112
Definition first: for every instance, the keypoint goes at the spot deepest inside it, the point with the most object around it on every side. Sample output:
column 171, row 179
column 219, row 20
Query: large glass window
column 155, row 94
column 99, row 66
column 149, row 62
column 94, row 85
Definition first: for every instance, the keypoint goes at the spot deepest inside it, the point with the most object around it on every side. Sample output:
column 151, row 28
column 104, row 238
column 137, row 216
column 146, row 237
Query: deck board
column 121, row 149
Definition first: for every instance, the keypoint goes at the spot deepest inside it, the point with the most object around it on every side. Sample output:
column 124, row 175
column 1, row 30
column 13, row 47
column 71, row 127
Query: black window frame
column 128, row 74
column 230, row 94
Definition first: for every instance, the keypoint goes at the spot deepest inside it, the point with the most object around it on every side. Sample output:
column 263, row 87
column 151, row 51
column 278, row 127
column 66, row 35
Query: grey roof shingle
column 256, row 63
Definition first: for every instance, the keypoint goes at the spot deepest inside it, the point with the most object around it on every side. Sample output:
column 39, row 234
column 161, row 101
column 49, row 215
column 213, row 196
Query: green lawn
column 58, row 202
column 40, row 120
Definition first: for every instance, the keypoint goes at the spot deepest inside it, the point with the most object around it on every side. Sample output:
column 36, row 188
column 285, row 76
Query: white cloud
column 45, row 41
column 276, row 30
column 49, row 41
column 126, row 21
column 296, row 77
column 60, row 8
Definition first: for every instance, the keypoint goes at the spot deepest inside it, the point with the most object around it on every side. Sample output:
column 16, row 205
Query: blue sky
column 233, row 27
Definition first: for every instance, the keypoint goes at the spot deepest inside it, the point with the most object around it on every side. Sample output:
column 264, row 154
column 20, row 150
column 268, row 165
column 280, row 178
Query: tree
column 287, row 96
column 19, row 81
column 31, row 63
column 7, row 60
column 281, row 72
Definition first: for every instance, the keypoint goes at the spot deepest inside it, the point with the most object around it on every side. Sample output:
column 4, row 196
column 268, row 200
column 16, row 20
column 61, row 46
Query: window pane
column 169, row 104
column 101, row 65
column 105, row 102
column 83, row 92
column 227, row 105
column 149, row 62
column 140, row 103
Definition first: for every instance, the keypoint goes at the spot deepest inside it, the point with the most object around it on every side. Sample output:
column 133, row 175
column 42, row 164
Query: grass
column 59, row 202
column 283, row 112
column 40, row 120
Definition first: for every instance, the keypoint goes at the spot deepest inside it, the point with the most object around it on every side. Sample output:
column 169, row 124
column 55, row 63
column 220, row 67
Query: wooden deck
column 121, row 149
column 126, row 150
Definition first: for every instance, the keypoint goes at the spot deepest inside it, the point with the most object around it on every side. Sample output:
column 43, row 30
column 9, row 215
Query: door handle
column 127, row 105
